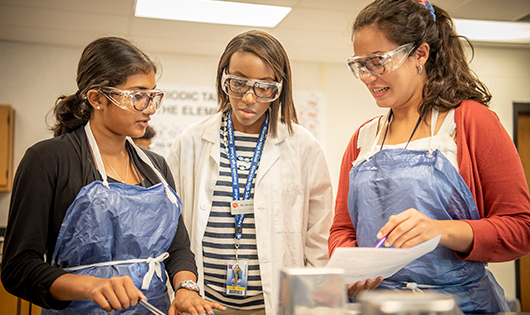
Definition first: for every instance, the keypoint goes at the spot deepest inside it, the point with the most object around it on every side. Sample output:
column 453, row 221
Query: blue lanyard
column 253, row 166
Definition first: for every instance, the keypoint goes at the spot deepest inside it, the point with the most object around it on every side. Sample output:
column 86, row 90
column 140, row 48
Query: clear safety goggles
column 265, row 91
column 379, row 64
column 140, row 100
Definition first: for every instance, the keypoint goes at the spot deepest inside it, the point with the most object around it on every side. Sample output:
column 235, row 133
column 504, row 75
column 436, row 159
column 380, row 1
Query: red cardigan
column 490, row 165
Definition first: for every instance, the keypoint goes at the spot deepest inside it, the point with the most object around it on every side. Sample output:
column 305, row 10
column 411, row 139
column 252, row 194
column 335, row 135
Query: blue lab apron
column 394, row 180
column 116, row 229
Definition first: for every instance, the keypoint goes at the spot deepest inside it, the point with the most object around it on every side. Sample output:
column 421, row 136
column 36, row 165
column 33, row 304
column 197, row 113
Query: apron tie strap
column 154, row 267
column 153, row 263
column 413, row 286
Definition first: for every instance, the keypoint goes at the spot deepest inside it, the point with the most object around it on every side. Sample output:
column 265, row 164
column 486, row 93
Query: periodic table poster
column 186, row 104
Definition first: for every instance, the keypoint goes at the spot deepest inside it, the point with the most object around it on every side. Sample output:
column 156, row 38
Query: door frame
column 518, row 108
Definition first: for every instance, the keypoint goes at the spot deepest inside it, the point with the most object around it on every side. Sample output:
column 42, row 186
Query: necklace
column 388, row 124
column 225, row 141
column 116, row 173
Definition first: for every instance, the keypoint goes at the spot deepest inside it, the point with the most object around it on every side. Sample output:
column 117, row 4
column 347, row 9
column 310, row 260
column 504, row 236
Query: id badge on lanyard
column 236, row 277
column 237, row 270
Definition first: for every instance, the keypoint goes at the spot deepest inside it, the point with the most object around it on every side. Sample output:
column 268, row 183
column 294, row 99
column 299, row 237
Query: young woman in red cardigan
column 439, row 163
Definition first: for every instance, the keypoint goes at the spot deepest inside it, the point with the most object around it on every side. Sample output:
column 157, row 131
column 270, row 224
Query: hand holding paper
column 361, row 263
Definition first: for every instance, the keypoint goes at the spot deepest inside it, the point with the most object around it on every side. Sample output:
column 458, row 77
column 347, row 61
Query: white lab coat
column 292, row 198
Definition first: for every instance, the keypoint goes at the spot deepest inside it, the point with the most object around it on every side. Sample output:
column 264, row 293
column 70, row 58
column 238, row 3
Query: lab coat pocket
column 288, row 205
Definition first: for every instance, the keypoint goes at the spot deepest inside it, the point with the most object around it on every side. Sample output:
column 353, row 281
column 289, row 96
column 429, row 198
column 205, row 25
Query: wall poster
column 184, row 105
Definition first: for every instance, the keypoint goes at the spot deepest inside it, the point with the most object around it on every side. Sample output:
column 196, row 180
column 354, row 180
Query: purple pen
column 381, row 241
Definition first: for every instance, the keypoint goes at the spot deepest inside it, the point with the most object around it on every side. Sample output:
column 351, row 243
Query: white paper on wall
column 311, row 111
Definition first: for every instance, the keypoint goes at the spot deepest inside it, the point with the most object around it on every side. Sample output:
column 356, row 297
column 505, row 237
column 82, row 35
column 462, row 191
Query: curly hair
column 449, row 78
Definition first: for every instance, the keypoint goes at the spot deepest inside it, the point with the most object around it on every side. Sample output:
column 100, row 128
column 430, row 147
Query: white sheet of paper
column 361, row 263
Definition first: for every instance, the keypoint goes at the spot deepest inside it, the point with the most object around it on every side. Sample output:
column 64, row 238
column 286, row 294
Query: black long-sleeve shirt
column 48, row 179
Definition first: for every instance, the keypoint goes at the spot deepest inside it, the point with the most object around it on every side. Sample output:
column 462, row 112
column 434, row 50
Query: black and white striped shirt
column 218, row 242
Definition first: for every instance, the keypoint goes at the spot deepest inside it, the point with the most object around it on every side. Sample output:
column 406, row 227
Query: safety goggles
column 140, row 100
column 379, row 64
column 237, row 87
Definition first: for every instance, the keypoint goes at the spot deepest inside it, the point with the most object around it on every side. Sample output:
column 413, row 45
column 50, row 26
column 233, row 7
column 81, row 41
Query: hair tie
column 427, row 5
column 80, row 96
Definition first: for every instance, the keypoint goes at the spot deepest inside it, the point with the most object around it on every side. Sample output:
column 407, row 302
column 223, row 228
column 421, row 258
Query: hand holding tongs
column 151, row 307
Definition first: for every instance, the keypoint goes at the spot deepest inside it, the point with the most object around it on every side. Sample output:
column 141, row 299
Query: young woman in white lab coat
column 253, row 142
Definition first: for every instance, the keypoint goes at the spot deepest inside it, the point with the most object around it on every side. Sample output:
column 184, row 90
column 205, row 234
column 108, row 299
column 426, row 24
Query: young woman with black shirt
column 93, row 218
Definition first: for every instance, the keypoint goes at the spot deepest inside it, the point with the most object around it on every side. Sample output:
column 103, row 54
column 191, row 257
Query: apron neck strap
column 434, row 120
column 97, row 155
column 373, row 148
column 99, row 162
column 148, row 161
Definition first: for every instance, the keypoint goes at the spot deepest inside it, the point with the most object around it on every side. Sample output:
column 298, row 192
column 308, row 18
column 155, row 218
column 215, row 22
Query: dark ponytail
column 449, row 78
column 107, row 61
column 70, row 112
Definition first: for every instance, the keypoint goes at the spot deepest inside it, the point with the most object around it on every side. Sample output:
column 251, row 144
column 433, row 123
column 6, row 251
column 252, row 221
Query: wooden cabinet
column 7, row 124
column 12, row 305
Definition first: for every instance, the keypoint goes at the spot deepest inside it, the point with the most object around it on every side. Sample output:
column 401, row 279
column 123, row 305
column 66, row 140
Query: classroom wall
column 33, row 75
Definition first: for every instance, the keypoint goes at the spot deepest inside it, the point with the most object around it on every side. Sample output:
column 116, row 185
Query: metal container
column 381, row 302
column 312, row 291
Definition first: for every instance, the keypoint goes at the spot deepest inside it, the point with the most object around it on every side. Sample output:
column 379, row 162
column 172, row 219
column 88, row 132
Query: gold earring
column 98, row 107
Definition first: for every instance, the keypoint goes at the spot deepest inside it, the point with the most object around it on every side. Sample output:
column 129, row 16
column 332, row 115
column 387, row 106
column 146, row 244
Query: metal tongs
column 151, row 307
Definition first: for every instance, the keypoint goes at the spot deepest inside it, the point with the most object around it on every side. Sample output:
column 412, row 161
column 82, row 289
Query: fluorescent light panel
column 494, row 31
column 209, row 11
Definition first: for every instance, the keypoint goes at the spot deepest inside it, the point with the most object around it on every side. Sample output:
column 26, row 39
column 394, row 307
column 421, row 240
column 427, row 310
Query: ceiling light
column 209, row 11
column 494, row 31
